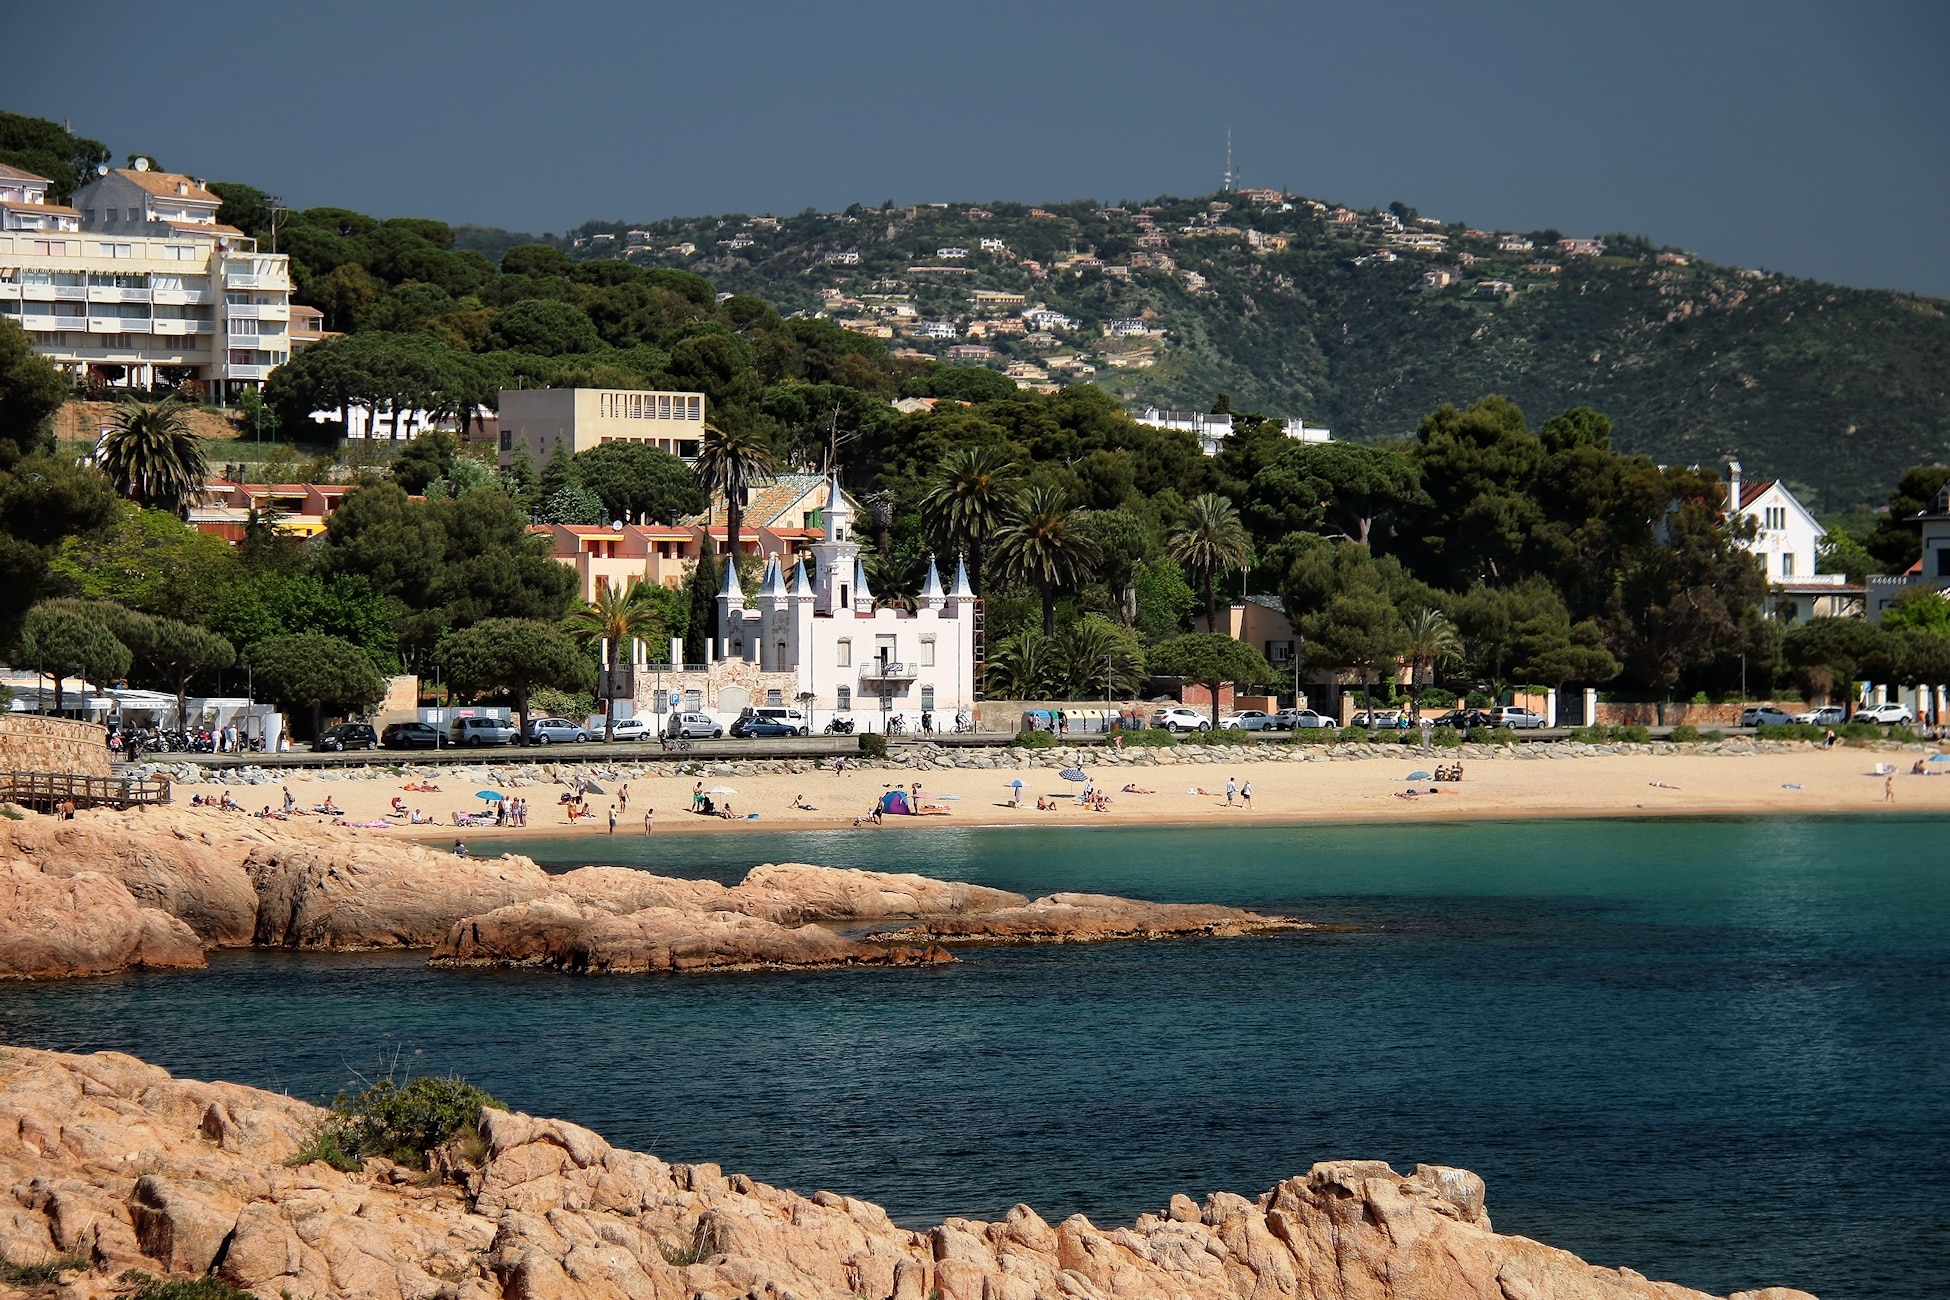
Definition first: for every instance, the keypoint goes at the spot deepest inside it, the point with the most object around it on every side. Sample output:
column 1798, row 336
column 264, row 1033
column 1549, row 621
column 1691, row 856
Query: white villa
column 1212, row 430
column 818, row 640
column 1786, row 541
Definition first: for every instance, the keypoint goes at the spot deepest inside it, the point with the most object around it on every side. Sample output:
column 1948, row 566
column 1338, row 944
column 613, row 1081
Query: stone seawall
column 35, row 744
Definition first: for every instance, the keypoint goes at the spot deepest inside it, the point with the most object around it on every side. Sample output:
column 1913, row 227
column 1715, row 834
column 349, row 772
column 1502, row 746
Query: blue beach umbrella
column 1072, row 774
column 1016, row 785
column 492, row 796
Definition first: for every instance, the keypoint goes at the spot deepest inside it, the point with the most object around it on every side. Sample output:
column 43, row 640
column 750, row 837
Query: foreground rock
column 561, row 934
column 83, row 924
column 1089, row 918
column 117, row 1164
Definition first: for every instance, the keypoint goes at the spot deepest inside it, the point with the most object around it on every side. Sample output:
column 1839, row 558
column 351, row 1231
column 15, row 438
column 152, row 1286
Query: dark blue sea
column 1717, row 1051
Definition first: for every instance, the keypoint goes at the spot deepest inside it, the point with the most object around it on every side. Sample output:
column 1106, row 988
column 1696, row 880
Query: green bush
column 401, row 1123
column 1685, row 734
column 1447, row 738
column 874, row 745
column 149, row 1287
column 1595, row 734
column 1713, row 735
column 41, row 1273
column 1315, row 736
column 1148, row 738
column 1636, row 734
column 1492, row 736
column 1478, row 700
column 1858, row 731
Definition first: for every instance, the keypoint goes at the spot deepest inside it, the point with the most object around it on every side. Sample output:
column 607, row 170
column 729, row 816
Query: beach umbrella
column 1072, row 774
column 1016, row 785
column 1418, row 776
column 721, row 789
column 492, row 796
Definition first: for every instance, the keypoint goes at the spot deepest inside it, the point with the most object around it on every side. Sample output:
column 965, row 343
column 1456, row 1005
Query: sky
column 1794, row 136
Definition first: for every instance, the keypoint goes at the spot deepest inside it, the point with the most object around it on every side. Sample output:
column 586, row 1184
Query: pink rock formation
column 1088, row 918
column 167, row 861
column 115, row 1162
column 367, row 893
column 562, row 934
column 83, row 924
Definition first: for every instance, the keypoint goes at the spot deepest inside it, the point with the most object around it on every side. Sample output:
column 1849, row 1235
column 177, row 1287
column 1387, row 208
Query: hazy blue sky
column 1811, row 138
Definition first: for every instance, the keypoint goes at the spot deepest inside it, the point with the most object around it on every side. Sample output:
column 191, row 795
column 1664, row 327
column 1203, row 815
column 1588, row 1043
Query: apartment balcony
column 117, row 325
column 884, row 670
column 244, row 280
column 182, row 297
column 99, row 293
column 181, row 327
column 248, row 372
column 9, row 290
column 70, row 292
column 48, row 323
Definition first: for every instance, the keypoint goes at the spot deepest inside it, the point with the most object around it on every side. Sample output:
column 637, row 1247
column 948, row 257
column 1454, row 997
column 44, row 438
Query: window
column 1787, row 564
column 51, row 247
column 927, row 699
column 240, row 357
column 237, row 299
column 693, row 701
column 507, row 440
column 844, row 655
column 114, row 214
column 179, row 253
column 1943, row 563
column 661, row 702
column 88, row 215
column 1774, row 518
column 927, row 652
column 843, row 697
column 773, row 699
column 114, row 250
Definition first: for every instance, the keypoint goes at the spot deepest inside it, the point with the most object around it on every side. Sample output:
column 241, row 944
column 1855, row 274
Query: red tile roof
column 1751, row 492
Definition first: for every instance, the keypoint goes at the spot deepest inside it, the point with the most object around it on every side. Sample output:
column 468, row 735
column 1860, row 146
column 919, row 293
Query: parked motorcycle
column 840, row 727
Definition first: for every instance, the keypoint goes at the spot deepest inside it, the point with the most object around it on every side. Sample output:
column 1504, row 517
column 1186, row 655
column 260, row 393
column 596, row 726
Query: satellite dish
column 101, row 169
column 617, row 525
column 142, row 164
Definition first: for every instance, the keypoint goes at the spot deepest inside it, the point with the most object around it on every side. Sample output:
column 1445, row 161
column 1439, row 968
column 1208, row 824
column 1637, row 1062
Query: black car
column 1464, row 719
column 410, row 735
column 347, row 735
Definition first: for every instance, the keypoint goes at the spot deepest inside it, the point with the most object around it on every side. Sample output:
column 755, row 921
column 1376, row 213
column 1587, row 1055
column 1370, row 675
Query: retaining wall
column 35, row 744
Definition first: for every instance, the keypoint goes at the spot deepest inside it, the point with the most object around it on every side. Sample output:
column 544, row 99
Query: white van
column 791, row 717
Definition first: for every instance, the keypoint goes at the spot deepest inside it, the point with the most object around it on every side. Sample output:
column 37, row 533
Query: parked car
column 795, row 719
column 765, row 728
column 1765, row 715
column 1302, row 719
column 1517, row 718
column 786, row 721
column 1828, row 715
column 481, row 731
column 1463, row 719
column 347, row 735
column 692, row 726
column 555, row 731
column 1246, row 720
column 633, row 729
column 1177, row 718
column 1379, row 720
column 410, row 735
column 1888, row 715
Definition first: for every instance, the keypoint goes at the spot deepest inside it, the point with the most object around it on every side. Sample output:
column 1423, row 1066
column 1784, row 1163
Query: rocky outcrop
column 83, row 924
column 358, row 893
column 1089, row 918
column 560, row 933
column 165, row 860
column 116, row 1163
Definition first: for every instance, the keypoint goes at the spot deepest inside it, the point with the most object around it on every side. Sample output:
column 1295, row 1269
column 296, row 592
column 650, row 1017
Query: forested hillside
column 1365, row 321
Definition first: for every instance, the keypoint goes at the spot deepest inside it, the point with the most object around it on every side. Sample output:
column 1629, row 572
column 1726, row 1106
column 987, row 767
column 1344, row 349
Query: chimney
column 1733, row 490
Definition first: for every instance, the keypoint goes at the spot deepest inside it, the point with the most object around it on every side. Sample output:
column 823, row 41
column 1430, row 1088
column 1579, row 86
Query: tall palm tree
column 968, row 502
column 729, row 461
column 151, row 455
column 615, row 617
column 1432, row 640
column 1210, row 541
column 1044, row 546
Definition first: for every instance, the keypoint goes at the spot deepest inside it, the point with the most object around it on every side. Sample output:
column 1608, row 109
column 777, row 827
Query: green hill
column 1284, row 306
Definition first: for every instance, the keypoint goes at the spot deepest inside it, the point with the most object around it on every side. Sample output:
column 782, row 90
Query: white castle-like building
column 816, row 639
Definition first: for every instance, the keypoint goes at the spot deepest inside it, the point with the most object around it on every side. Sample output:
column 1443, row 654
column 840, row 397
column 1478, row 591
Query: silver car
column 555, row 731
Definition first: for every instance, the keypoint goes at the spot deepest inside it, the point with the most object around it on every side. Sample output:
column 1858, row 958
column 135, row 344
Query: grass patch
column 42, row 1273
column 1314, row 736
column 681, row 1255
column 11, row 813
column 149, row 1287
column 1492, row 736
column 401, row 1123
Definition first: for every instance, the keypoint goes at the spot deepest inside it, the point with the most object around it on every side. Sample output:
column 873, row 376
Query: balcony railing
column 117, row 325
column 886, row 670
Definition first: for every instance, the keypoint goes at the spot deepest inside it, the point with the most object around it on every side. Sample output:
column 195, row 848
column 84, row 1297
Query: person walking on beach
column 1246, row 794
column 612, row 819
column 697, row 795
column 623, row 799
column 1232, row 789
column 1889, row 789
column 648, row 814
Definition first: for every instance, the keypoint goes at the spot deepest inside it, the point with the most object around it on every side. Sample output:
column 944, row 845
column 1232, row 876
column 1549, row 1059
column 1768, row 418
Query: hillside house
column 1581, row 247
column 1932, row 570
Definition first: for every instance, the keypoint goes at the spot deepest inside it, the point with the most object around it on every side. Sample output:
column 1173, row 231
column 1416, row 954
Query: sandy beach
column 1804, row 781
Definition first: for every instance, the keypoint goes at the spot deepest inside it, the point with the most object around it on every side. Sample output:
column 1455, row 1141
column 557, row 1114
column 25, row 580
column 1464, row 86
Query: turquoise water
column 1714, row 1051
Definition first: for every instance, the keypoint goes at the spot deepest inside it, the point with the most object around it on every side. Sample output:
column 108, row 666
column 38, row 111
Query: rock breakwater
column 112, row 1164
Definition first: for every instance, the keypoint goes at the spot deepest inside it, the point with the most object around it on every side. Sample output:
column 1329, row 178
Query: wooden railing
column 47, row 791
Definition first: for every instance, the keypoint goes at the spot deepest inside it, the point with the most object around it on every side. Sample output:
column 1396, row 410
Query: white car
column 1828, row 715
column 1302, row 719
column 1246, row 720
column 1888, row 715
column 634, row 729
column 1180, row 719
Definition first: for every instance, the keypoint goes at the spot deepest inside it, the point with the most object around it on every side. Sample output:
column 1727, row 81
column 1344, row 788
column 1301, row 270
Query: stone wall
column 36, row 744
column 1699, row 715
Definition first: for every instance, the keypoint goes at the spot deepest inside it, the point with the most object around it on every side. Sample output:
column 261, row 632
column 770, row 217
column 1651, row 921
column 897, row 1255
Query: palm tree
column 152, row 457
column 968, row 503
column 1432, row 640
column 729, row 461
column 1043, row 546
column 615, row 617
column 1022, row 667
column 1210, row 541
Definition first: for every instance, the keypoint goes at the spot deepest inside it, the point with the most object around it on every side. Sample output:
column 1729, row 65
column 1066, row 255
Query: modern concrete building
column 542, row 421
column 138, row 285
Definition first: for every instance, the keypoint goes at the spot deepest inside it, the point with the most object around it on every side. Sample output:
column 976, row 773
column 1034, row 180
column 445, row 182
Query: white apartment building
column 542, row 421
column 137, row 284
column 1212, row 430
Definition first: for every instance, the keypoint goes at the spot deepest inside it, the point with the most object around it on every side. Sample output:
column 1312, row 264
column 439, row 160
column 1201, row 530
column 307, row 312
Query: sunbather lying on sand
column 1135, row 788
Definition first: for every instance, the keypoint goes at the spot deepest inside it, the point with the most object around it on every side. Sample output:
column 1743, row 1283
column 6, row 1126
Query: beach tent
column 895, row 801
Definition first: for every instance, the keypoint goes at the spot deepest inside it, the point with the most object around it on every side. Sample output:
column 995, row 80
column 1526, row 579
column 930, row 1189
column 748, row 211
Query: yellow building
column 542, row 421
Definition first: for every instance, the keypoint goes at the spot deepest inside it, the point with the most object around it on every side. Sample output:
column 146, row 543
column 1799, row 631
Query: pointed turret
column 962, row 590
column 932, row 597
column 862, row 596
column 802, row 581
column 732, row 591
column 773, row 588
column 837, row 516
